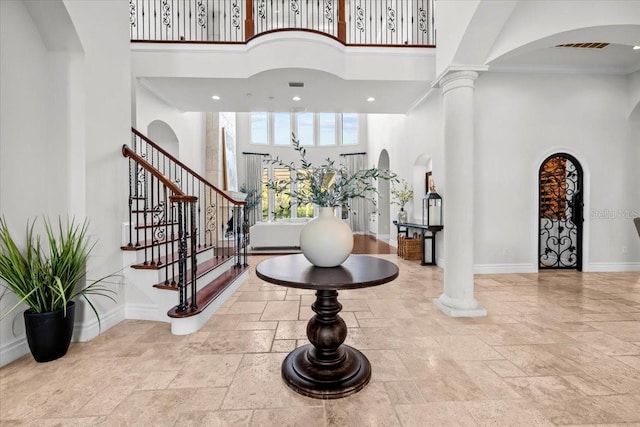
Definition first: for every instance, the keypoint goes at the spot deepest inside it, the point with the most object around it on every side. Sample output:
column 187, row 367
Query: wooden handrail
column 128, row 152
column 183, row 166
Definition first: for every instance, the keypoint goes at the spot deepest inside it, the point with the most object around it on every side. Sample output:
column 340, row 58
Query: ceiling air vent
column 585, row 45
column 296, row 84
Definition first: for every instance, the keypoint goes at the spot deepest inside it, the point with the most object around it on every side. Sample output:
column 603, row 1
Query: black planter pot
column 49, row 334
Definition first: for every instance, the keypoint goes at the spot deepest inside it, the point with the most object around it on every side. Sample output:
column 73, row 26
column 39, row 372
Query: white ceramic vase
column 326, row 241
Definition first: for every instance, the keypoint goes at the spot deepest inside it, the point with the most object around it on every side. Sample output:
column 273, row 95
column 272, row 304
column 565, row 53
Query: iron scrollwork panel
column 560, row 214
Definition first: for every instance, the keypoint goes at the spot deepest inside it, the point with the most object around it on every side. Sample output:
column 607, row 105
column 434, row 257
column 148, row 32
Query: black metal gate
column 560, row 212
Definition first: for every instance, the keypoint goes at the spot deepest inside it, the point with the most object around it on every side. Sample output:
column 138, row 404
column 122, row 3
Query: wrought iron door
column 560, row 213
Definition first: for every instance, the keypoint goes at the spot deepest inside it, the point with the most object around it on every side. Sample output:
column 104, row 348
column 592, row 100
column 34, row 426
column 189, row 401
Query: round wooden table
column 326, row 368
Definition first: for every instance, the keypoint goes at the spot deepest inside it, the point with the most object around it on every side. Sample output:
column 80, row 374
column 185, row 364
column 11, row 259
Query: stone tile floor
column 557, row 348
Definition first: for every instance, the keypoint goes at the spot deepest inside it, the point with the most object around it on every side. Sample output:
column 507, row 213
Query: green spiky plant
column 48, row 276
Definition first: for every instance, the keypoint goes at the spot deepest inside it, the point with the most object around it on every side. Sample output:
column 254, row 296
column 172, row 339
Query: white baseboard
column 13, row 350
column 90, row 329
column 504, row 268
column 145, row 312
column 18, row 347
column 611, row 267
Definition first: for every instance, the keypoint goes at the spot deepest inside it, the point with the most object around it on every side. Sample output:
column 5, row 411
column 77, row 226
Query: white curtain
column 253, row 168
column 358, row 215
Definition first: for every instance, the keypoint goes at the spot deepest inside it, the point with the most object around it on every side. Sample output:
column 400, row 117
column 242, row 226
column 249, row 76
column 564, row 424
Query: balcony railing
column 352, row 22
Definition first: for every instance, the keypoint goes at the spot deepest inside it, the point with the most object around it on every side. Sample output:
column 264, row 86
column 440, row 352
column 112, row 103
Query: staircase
column 185, row 240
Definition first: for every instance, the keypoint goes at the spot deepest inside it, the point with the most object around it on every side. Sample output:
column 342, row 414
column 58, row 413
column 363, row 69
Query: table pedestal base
column 302, row 372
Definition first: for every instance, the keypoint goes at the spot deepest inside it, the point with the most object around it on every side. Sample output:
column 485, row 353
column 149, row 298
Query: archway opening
column 384, row 198
column 560, row 212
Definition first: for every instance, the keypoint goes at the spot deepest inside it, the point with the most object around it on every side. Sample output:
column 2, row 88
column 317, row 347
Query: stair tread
column 158, row 263
column 210, row 292
column 203, row 268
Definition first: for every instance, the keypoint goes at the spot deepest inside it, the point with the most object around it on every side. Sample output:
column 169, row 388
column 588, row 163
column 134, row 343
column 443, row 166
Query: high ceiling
column 324, row 91
column 612, row 59
column 270, row 91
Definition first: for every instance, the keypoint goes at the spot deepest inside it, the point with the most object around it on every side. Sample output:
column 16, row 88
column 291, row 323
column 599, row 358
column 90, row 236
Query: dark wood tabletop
column 358, row 271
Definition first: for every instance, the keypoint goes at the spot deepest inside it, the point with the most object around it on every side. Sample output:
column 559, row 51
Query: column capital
column 458, row 76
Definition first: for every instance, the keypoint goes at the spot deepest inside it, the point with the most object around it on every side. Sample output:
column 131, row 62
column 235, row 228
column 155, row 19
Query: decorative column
column 458, row 300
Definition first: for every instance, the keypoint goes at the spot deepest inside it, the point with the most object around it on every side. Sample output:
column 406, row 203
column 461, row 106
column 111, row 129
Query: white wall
column 520, row 120
column 189, row 128
column 409, row 139
column 65, row 113
column 25, row 145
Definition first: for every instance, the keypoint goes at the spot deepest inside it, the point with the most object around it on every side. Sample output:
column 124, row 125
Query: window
column 306, row 210
column 321, row 129
column 259, row 128
column 281, row 129
column 327, row 127
column 305, row 128
column 265, row 194
column 282, row 202
column 349, row 129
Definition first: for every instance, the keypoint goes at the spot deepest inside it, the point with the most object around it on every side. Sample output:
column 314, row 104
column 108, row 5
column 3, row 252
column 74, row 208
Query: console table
column 326, row 368
column 433, row 229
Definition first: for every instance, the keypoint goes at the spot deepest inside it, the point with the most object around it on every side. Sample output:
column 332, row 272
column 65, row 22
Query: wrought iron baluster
column 194, row 260
column 182, row 259
column 172, row 258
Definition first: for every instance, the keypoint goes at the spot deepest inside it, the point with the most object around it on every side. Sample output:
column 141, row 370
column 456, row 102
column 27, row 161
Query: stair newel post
column 237, row 232
column 145, row 207
column 182, row 255
column 174, row 207
column 152, row 210
column 130, row 203
column 167, row 239
column 194, row 260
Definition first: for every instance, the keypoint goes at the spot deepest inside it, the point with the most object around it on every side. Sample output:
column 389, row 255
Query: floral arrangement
column 327, row 185
column 401, row 194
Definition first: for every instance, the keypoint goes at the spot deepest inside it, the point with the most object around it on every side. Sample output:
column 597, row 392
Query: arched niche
column 162, row 134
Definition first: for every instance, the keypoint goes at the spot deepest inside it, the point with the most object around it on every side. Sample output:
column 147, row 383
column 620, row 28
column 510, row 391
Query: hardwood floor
column 362, row 244
column 366, row 244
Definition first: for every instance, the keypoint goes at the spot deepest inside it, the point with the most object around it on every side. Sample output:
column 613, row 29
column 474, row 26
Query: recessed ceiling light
column 370, row 99
column 636, row 47
column 296, row 98
column 215, row 98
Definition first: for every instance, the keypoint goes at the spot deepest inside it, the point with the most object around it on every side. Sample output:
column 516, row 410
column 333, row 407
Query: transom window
column 321, row 129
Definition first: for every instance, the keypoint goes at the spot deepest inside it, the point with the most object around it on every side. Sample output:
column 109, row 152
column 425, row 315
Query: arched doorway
column 560, row 213
column 384, row 194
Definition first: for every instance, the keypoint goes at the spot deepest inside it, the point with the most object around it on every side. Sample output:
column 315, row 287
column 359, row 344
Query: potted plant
column 326, row 241
column 401, row 194
column 48, row 277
